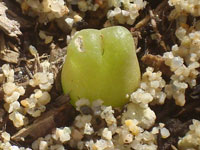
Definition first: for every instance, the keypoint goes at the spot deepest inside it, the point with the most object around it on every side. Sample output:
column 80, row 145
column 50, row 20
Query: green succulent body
column 101, row 64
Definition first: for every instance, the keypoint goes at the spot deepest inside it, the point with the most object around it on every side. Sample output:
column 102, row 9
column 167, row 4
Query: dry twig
column 145, row 20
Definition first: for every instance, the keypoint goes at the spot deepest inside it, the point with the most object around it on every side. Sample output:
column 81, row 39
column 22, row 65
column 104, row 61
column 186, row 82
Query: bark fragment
column 61, row 112
column 7, row 24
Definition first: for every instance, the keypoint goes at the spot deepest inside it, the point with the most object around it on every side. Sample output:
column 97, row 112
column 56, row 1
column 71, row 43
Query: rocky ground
column 32, row 50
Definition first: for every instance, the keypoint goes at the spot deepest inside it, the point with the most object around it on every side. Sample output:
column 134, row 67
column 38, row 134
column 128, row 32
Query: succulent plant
column 101, row 64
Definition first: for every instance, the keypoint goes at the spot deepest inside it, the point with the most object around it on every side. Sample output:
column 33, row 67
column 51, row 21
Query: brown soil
column 153, row 20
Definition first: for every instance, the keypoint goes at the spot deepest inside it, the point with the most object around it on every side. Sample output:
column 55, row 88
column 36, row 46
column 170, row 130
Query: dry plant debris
column 162, row 114
column 6, row 54
column 9, row 26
